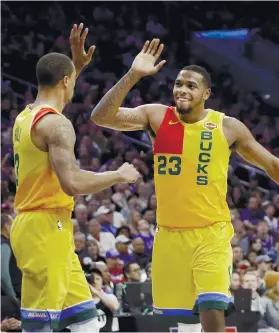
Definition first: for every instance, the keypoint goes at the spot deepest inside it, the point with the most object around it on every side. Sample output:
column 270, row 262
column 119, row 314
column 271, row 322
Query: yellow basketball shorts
column 191, row 270
column 54, row 288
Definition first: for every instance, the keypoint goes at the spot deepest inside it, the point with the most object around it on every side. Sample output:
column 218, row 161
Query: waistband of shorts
column 189, row 228
column 54, row 211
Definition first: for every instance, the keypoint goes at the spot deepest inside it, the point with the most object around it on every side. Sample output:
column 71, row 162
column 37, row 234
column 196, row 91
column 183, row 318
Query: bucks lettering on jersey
column 190, row 171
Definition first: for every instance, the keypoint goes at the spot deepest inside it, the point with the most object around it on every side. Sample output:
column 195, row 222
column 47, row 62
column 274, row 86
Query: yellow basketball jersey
column 190, row 171
column 38, row 187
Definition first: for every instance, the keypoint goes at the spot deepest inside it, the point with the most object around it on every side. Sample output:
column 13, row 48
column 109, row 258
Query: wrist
column 134, row 75
column 79, row 67
column 118, row 176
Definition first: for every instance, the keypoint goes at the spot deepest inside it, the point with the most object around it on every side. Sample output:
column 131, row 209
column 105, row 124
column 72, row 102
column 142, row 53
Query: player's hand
column 77, row 40
column 144, row 63
column 128, row 173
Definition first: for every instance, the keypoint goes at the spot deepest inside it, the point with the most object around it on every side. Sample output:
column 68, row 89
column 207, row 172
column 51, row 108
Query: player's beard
column 184, row 110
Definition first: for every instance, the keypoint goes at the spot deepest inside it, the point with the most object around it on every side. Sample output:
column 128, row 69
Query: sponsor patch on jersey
column 210, row 126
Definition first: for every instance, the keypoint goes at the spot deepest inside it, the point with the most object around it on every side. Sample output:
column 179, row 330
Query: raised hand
column 128, row 173
column 77, row 40
column 144, row 63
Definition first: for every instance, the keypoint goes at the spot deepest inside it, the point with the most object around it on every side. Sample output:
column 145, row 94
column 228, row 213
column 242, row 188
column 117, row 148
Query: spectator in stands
column 125, row 230
column 237, row 256
column 238, row 197
column 118, row 219
column 148, row 270
column 105, row 217
column 138, row 253
column 235, row 282
column 115, row 270
column 122, row 246
column 149, row 216
column 131, row 272
column 240, row 234
column 256, row 245
column 252, row 214
column 266, row 238
column 145, row 234
column 75, row 226
column 81, row 215
column 134, row 218
column 250, row 281
column 80, row 245
column 11, row 276
column 105, row 240
column 106, row 304
column 270, row 302
column 108, row 284
column 264, row 263
column 252, row 257
column 270, row 218
column 93, row 251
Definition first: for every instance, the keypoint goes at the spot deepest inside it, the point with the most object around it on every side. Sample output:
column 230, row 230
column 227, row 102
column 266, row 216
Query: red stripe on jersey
column 41, row 114
column 170, row 135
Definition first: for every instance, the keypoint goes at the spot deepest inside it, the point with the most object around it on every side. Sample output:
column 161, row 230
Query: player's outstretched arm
column 108, row 112
column 59, row 135
column 254, row 153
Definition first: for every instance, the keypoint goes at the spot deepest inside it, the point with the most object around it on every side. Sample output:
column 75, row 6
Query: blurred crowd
column 114, row 229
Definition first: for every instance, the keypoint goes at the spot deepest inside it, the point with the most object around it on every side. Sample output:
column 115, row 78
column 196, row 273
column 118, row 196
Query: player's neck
column 194, row 116
column 49, row 97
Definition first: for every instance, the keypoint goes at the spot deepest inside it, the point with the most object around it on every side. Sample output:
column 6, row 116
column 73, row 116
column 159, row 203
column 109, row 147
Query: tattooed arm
column 108, row 112
column 58, row 134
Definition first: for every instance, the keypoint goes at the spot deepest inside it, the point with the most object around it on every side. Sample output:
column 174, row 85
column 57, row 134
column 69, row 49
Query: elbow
column 97, row 119
column 272, row 169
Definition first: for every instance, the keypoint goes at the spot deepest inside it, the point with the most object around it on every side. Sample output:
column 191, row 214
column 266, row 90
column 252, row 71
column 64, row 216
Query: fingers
column 159, row 66
column 153, row 46
column 84, row 34
column 91, row 51
column 159, row 51
column 76, row 31
column 145, row 46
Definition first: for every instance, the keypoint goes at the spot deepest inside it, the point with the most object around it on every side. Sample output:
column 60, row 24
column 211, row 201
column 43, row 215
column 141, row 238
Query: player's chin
column 183, row 110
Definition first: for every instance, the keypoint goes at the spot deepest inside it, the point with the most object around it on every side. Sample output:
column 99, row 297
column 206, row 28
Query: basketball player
column 55, row 293
column 192, row 256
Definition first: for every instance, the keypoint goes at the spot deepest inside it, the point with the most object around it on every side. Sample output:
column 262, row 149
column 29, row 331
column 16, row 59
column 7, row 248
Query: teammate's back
column 55, row 293
column 38, row 187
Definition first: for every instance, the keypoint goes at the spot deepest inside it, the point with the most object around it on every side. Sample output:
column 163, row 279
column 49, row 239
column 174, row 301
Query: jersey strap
column 40, row 114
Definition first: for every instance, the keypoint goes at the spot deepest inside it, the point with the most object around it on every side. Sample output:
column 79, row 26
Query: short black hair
column 126, row 268
column 51, row 69
column 202, row 71
column 91, row 277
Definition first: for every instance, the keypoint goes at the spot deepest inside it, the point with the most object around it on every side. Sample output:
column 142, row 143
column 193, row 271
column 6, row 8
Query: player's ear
column 206, row 94
column 65, row 81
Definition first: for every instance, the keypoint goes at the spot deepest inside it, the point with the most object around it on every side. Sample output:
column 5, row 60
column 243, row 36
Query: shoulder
column 234, row 124
column 156, row 114
column 155, row 107
column 54, row 126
